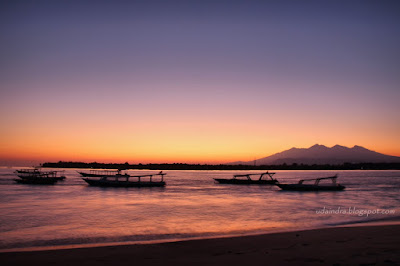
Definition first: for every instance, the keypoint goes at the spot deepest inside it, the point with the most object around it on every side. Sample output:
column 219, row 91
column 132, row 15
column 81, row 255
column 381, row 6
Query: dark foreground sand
column 369, row 245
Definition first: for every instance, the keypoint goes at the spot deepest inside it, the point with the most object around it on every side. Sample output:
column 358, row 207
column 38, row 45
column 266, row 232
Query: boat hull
column 37, row 181
column 57, row 178
column 112, row 183
column 245, row 182
column 301, row 187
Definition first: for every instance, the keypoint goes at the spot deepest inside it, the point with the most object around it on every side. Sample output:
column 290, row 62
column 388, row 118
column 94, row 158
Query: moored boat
column 36, row 176
column 245, row 179
column 37, row 172
column 316, row 186
column 125, row 181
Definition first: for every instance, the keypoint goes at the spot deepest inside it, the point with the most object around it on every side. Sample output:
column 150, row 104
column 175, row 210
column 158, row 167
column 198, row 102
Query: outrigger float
column 124, row 181
column 245, row 179
column 316, row 186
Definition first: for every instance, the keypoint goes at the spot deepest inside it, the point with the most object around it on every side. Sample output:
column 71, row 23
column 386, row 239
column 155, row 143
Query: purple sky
column 210, row 68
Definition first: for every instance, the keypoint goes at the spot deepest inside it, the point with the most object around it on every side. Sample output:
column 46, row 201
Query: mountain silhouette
column 320, row 154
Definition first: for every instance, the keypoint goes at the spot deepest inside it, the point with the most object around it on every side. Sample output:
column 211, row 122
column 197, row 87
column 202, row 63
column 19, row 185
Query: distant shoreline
column 184, row 166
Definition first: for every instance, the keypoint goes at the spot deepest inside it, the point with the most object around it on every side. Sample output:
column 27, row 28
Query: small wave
column 68, row 242
column 393, row 219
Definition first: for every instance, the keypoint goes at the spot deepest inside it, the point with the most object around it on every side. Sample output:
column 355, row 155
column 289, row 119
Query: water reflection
column 191, row 205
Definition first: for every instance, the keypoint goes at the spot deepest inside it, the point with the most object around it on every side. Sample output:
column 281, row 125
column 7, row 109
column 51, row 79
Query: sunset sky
column 196, row 81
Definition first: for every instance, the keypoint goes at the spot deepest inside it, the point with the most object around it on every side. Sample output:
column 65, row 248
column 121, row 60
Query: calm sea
column 190, row 206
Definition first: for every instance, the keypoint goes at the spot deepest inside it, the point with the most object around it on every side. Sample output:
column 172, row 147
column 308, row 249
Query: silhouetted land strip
column 184, row 166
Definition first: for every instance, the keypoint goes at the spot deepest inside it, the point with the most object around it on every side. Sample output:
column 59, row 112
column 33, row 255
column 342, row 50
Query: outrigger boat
column 248, row 181
column 35, row 176
column 313, row 187
column 123, row 181
column 36, row 172
column 101, row 173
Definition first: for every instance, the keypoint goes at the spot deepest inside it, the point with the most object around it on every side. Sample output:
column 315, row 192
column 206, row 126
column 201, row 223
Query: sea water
column 191, row 205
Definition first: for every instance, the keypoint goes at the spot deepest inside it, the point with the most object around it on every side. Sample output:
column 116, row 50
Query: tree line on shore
column 185, row 166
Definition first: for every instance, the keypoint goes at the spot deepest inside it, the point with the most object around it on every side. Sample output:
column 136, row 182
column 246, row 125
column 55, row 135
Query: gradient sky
column 196, row 81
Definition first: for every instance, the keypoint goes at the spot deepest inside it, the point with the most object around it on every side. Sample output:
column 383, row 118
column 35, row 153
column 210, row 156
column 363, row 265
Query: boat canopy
column 105, row 172
column 117, row 177
column 333, row 178
column 261, row 175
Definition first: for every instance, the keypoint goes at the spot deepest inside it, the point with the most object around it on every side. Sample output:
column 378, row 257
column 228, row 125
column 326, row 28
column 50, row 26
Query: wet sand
column 364, row 245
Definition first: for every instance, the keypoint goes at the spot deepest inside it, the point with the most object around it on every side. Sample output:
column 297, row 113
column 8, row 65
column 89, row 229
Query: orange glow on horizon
column 188, row 133
column 180, row 139
column 178, row 155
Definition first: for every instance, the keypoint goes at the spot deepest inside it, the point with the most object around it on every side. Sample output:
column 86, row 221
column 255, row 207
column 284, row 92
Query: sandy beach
column 363, row 245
